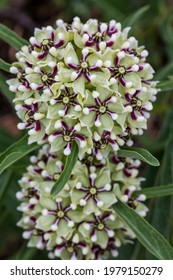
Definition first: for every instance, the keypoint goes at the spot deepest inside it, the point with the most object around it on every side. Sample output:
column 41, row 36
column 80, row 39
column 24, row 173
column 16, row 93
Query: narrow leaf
column 15, row 152
column 152, row 240
column 6, row 140
column 139, row 153
column 4, row 65
column 24, row 253
column 165, row 85
column 5, row 90
column 166, row 127
column 162, row 210
column 4, row 183
column 164, row 72
column 136, row 16
column 65, row 175
column 10, row 37
column 153, row 192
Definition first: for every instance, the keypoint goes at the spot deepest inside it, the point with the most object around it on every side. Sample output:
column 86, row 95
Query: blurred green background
column 152, row 25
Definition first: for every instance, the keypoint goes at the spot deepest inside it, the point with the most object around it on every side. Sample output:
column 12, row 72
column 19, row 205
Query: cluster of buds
column 89, row 82
column 78, row 223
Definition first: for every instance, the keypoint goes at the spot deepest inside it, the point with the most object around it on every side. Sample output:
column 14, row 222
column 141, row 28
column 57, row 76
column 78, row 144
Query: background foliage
column 152, row 25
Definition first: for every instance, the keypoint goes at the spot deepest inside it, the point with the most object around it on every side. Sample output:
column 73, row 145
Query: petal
column 56, row 89
column 72, row 114
column 78, row 40
column 107, row 122
column 37, row 137
column 48, row 203
column 53, row 111
column 88, row 119
column 92, row 26
column 121, row 120
column 52, row 240
column 34, row 78
column 116, row 107
column 134, row 79
column 102, row 238
column 33, row 241
column 147, row 73
column 40, row 35
column 76, row 196
column 101, row 78
column 79, row 86
column 128, row 61
column 103, row 178
column 45, row 222
column 104, row 92
column 108, row 199
column 137, row 124
column 90, row 207
column 63, row 229
column 92, row 59
column 144, row 96
column 77, row 216
column 58, row 144
column 65, row 74
column 70, row 52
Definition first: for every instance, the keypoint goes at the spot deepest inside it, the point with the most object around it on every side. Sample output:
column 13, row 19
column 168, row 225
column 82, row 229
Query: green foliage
column 15, row 152
column 135, row 17
column 4, row 65
column 139, row 153
column 65, row 175
column 166, row 85
column 11, row 37
column 153, row 192
column 146, row 234
column 5, row 90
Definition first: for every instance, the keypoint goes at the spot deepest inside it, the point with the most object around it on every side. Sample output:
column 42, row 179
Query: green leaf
column 10, row 37
column 4, row 65
column 133, row 19
column 167, row 34
column 15, row 152
column 6, row 140
column 5, row 90
column 161, row 216
column 139, row 153
column 25, row 253
column 65, row 175
column 164, row 72
column 153, row 192
column 166, row 127
column 165, row 85
column 4, row 183
column 145, row 233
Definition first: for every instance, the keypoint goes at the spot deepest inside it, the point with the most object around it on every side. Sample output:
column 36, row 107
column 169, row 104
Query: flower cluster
column 78, row 223
column 89, row 82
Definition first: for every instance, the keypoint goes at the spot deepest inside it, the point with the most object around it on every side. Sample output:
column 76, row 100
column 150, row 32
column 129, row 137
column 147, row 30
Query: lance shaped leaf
column 165, row 85
column 15, row 152
column 10, row 37
column 4, row 65
column 134, row 18
column 139, row 153
column 65, row 175
column 150, row 238
column 153, row 192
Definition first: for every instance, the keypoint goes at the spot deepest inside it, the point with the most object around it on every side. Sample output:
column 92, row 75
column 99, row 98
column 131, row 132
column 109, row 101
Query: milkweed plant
column 82, row 91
